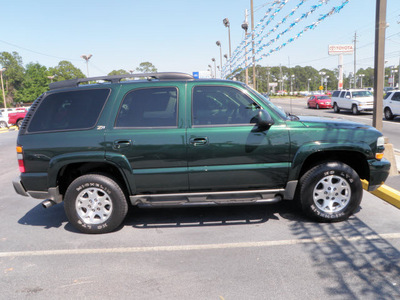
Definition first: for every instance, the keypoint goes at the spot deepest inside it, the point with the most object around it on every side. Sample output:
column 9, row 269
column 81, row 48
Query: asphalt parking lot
column 239, row 252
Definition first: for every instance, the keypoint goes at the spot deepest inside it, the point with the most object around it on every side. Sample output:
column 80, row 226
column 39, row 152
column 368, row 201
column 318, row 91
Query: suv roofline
column 117, row 78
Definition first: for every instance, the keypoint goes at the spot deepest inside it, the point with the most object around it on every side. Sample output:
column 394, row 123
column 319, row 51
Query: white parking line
column 199, row 247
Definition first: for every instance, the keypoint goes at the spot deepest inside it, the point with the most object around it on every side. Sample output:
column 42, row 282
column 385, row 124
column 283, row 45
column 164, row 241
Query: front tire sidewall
column 388, row 114
column 99, row 182
column 309, row 181
column 336, row 108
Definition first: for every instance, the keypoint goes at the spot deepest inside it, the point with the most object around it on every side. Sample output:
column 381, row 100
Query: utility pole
column 245, row 27
column 252, row 43
column 379, row 63
column 268, row 68
column 355, row 60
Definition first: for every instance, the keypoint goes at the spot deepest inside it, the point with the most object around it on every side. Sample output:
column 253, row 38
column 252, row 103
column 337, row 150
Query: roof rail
column 117, row 78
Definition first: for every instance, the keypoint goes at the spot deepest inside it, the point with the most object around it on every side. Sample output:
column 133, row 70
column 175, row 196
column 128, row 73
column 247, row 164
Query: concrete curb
column 386, row 193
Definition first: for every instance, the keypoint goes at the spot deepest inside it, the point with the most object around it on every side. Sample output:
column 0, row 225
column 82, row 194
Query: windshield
column 362, row 94
column 266, row 101
column 324, row 97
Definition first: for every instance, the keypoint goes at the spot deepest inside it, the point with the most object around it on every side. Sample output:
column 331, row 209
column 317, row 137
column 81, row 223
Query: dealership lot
column 242, row 252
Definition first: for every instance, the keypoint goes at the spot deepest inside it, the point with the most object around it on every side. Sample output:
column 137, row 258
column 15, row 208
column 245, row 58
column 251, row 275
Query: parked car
column 3, row 121
column 353, row 99
column 319, row 101
column 172, row 140
column 16, row 118
column 391, row 105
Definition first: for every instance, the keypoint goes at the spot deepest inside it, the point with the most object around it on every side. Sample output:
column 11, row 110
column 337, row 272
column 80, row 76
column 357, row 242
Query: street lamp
column 87, row 57
column 220, row 54
column 51, row 77
column 211, row 72
column 2, row 86
column 361, row 78
column 215, row 67
column 227, row 24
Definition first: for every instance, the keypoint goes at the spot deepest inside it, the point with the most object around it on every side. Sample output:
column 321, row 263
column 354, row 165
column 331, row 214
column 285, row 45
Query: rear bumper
column 52, row 193
column 379, row 172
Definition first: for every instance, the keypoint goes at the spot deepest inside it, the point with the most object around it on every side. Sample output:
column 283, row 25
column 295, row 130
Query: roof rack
column 117, row 78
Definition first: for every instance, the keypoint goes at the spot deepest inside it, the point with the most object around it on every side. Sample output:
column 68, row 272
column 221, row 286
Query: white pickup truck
column 352, row 99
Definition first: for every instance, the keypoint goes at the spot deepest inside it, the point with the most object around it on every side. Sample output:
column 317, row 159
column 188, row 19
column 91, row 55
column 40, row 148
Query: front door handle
column 118, row 144
column 199, row 141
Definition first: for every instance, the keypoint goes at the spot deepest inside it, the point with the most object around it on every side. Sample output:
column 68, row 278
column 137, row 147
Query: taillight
column 20, row 157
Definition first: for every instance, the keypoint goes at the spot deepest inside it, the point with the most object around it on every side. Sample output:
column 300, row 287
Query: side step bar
column 208, row 198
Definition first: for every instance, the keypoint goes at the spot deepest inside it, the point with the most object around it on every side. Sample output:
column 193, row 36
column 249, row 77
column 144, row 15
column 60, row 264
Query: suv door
column 225, row 151
column 395, row 103
column 148, row 134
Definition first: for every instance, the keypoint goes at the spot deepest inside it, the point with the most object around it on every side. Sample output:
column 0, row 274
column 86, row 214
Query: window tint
column 149, row 107
column 362, row 94
column 396, row 96
column 387, row 95
column 342, row 94
column 69, row 110
column 218, row 105
column 336, row 94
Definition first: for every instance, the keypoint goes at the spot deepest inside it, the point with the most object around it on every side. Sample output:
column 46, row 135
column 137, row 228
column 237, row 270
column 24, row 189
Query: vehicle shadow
column 145, row 218
column 352, row 260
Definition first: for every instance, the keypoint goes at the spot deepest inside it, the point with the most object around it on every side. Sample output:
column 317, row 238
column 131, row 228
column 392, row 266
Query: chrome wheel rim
column 94, row 206
column 332, row 194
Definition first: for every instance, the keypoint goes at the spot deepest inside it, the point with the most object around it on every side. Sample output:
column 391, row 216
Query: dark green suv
column 170, row 140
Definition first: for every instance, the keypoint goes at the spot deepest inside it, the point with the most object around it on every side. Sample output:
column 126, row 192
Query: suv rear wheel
column 95, row 203
column 388, row 114
column 330, row 192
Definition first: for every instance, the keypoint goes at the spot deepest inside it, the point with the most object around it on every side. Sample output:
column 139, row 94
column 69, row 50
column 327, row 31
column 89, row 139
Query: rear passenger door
column 395, row 103
column 225, row 152
column 148, row 133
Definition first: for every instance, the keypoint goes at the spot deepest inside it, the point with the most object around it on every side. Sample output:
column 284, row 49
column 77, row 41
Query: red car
column 319, row 101
column 17, row 117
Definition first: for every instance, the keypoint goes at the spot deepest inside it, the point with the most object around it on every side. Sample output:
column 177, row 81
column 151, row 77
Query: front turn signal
column 379, row 156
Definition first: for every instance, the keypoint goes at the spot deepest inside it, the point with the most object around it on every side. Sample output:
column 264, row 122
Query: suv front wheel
column 95, row 203
column 330, row 192
column 388, row 114
column 336, row 108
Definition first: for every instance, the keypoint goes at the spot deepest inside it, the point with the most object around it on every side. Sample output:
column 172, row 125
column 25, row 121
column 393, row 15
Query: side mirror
column 263, row 120
column 347, row 97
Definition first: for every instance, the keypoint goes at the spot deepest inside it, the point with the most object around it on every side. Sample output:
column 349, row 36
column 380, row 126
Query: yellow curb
column 385, row 192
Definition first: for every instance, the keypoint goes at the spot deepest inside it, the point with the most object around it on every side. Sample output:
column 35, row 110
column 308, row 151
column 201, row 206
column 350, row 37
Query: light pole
column 215, row 67
column 220, row 54
column 245, row 27
column 322, row 79
column 87, row 57
column 211, row 72
column 2, row 86
column 309, row 79
column 326, row 83
column 227, row 24
column 291, row 84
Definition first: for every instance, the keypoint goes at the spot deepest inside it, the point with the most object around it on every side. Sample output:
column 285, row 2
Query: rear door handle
column 118, row 144
column 199, row 141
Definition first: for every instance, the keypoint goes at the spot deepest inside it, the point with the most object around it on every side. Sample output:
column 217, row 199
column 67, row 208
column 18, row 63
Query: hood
column 311, row 121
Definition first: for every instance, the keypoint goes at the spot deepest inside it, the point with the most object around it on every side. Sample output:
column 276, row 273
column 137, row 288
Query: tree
column 66, row 70
column 14, row 74
column 146, row 67
column 35, row 83
column 118, row 72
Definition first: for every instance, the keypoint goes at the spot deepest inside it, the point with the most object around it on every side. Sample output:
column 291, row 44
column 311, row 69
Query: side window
column 396, row 96
column 336, row 94
column 342, row 94
column 221, row 105
column 387, row 95
column 149, row 107
column 348, row 94
column 69, row 110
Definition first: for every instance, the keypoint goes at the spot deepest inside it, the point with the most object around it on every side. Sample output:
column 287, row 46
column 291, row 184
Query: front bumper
column 378, row 172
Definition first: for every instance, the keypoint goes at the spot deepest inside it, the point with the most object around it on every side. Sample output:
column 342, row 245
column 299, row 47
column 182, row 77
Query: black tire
column 317, row 106
column 98, row 193
column 336, row 108
column 19, row 123
column 388, row 114
column 3, row 124
column 330, row 192
column 355, row 110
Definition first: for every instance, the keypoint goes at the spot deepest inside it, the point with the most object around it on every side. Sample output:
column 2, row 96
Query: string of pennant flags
column 242, row 57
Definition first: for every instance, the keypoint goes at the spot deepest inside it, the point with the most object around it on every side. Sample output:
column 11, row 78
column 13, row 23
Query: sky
column 181, row 35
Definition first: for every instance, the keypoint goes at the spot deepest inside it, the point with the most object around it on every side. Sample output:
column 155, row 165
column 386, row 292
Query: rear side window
column 396, row 96
column 72, row 110
column 149, row 107
column 342, row 94
column 336, row 94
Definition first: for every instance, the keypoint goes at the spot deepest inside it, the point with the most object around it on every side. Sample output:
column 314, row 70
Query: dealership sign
column 340, row 49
